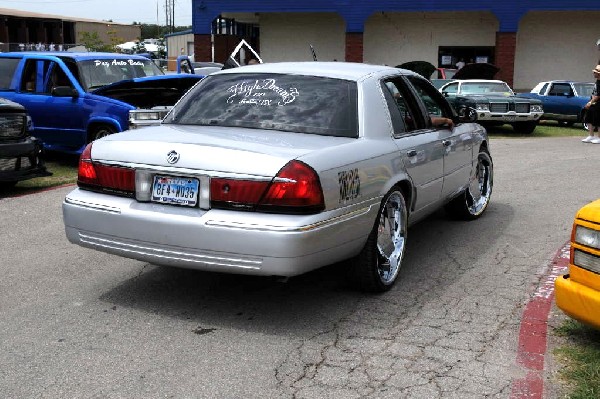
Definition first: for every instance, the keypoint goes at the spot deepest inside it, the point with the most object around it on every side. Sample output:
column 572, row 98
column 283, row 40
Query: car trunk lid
column 214, row 150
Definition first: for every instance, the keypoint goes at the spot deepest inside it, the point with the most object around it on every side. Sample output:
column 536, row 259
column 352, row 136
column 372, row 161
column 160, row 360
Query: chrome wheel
column 480, row 188
column 391, row 237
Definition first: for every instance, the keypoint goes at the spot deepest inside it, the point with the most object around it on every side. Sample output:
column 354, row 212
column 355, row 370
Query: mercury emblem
column 172, row 157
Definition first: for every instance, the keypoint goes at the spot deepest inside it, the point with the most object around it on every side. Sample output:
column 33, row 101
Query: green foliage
column 154, row 31
column 92, row 41
column 580, row 358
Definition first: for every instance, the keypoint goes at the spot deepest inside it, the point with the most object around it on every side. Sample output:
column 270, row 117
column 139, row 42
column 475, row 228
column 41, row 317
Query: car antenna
column 312, row 50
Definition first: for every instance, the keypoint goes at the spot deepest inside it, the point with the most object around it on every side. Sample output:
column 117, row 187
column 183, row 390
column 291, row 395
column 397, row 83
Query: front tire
column 377, row 266
column 565, row 123
column 475, row 199
column 525, row 127
column 101, row 131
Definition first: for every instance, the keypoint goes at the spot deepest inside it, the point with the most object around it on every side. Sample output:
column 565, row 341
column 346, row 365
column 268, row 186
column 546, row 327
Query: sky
column 123, row 11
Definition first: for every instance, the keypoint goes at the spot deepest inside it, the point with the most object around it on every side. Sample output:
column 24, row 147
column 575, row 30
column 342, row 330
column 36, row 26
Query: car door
column 457, row 142
column 421, row 150
column 561, row 100
column 57, row 120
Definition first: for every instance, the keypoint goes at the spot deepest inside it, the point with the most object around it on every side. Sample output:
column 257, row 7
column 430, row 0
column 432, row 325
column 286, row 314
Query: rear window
column 7, row 71
column 291, row 103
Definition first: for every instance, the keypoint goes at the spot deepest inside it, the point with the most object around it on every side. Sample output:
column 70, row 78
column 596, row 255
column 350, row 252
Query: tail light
column 104, row 178
column 296, row 189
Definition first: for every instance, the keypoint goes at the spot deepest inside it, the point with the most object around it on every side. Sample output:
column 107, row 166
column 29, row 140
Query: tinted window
column 560, row 89
column 403, row 118
column 435, row 104
column 293, row 103
column 7, row 71
column 101, row 72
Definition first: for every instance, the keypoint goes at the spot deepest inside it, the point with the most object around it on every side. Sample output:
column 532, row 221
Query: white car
column 280, row 168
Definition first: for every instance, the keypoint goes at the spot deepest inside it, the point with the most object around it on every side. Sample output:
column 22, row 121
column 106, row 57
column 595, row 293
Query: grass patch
column 580, row 359
column 64, row 171
column 544, row 129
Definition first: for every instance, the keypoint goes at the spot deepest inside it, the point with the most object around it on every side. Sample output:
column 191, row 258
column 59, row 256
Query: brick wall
column 202, row 48
column 354, row 47
column 506, row 44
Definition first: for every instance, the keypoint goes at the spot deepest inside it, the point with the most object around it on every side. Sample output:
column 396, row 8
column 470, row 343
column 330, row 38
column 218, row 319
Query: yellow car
column 578, row 293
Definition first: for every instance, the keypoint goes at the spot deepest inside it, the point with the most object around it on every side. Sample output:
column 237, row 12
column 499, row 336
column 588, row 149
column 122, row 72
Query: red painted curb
column 534, row 329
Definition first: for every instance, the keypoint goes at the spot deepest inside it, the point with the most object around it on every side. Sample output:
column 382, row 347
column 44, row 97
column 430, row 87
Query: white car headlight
column 587, row 237
column 536, row 108
column 482, row 107
column 147, row 116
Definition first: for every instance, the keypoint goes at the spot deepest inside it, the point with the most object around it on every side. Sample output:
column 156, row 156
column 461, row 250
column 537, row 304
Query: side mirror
column 64, row 91
column 466, row 114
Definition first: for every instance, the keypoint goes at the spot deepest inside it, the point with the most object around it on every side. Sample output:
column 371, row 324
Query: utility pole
column 173, row 16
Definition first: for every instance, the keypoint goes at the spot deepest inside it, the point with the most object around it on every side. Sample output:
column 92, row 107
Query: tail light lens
column 231, row 193
column 104, row 178
column 296, row 189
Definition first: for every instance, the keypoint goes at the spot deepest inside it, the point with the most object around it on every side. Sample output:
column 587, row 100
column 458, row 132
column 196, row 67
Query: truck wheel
column 525, row 127
column 565, row 123
column 377, row 266
column 100, row 131
column 472, row 202
column 4, row 185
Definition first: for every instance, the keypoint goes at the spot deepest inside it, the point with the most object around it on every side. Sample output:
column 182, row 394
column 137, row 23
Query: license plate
column 175, row 190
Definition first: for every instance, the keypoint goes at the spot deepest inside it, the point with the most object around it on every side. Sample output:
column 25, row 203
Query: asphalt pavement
column 75, row 323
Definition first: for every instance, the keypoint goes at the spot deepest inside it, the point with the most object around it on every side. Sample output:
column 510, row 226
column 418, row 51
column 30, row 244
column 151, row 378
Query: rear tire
column 475, row 199
column 525, row 127
column 377, row 266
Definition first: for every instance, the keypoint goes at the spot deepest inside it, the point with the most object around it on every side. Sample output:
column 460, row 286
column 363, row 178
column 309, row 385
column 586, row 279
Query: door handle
column 446, row 143
column 412, row 153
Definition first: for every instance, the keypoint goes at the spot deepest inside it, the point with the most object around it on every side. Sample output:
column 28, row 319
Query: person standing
column 592, row 113
column 460, row 63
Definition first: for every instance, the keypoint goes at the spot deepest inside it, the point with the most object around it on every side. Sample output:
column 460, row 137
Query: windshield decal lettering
column 254, row 93
column 107, row 63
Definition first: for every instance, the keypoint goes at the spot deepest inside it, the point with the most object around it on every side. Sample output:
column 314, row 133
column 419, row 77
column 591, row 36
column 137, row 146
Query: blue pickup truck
column 75, row 98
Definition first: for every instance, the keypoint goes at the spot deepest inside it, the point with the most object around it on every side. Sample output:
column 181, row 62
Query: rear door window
column 291, row 103
column 403, row 110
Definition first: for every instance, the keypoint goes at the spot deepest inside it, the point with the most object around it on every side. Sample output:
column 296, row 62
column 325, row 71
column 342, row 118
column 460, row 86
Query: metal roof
column 9, row 12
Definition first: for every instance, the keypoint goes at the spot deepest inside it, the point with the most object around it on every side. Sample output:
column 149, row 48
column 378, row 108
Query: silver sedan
column 278, row 169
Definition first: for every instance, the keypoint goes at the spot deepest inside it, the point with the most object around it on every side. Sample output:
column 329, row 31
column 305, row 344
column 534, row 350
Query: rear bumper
column 22, row 160
column 578, row 301
column 214, row 240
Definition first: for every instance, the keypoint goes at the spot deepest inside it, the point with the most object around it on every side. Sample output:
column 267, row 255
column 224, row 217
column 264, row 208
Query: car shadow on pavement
column 440, row 250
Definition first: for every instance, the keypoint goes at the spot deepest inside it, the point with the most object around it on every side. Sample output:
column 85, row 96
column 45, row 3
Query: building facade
column 528, row 40
column 23, row 30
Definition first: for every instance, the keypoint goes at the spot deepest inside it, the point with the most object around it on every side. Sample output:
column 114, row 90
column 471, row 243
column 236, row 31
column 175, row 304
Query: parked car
column 495, row 103
column 578, row 292
column 21, row 156
column 96, row 91
column 280, row 168
column 563, row 100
